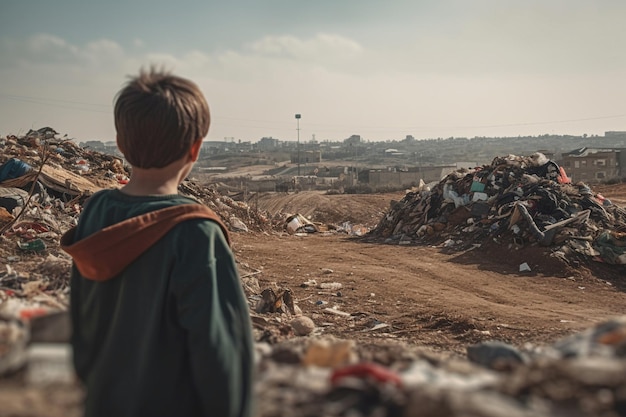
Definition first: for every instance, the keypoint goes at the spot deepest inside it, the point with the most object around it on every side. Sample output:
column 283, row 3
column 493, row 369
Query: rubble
column 237, row 215
column 44, row 182
column 516, row 202
column 580, row 375
column 63, row 175
column 299, row 370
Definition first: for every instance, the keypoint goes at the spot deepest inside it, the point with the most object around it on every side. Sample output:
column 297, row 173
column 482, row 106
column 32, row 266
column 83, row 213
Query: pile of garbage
column 45, row 180
column 44, row 183
column 69, row 170
column 237, row 215
column 519, row 201
column 580, row 375
column 62, row 174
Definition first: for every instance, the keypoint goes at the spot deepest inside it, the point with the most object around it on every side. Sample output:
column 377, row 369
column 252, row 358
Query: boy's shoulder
column 151, row 202
column 103, row 246
column 96, row 197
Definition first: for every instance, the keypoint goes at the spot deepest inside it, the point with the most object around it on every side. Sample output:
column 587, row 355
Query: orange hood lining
column 104, row 254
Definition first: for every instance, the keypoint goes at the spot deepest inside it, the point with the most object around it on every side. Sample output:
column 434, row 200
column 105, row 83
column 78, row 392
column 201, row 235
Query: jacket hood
column 104, row 254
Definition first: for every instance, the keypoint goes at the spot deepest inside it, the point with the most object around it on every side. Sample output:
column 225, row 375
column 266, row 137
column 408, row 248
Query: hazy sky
column 382, row 69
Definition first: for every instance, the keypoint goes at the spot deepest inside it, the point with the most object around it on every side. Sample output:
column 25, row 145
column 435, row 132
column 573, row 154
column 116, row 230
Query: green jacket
column 166, row 331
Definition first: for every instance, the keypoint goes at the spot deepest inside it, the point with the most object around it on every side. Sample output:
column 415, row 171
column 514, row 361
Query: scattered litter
column 297, row 223
column 375, row 371
column 377, row 327
column 337, row 312
column 309, row 283
column 333, row 286
column 49, row 363
column 14, row 336
column 330, row 353
column 238, row 225
column 354, row 229
column 36, row 245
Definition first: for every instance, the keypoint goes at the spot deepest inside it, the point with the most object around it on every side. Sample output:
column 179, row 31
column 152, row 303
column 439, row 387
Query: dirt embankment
column 317, row 206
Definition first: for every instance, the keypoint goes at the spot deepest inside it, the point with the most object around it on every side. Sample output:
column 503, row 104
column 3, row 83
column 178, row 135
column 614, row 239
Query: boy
column 160, row 322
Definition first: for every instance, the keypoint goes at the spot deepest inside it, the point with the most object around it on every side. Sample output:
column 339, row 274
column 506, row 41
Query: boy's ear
column 119, row 144
column 194, row 152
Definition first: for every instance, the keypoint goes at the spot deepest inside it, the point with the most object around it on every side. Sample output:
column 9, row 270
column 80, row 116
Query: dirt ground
column 425, row 295
column 417, row 294
column 317, row 206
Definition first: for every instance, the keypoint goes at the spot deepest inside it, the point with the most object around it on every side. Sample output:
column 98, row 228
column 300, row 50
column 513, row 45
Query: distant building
column 592, row 164
column 211, row 147
column 354, row 139
column 268, row 144
column 306, row 157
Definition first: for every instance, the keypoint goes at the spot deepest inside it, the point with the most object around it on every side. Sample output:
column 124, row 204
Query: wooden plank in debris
column 64, row 181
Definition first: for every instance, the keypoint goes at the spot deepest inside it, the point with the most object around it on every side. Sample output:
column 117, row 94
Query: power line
column 318, row 127
column 52, row 99
column 51, row 103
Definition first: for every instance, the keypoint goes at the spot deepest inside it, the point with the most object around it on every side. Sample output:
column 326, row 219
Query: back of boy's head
column 158, row 116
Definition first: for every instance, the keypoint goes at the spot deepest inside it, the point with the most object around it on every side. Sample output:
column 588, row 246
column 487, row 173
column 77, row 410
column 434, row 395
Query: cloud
column 43, row 50
column 273, row 72
column 253, row 61
column 104, row 48
column 322, row 47
column 422, row 86
column 40, row 48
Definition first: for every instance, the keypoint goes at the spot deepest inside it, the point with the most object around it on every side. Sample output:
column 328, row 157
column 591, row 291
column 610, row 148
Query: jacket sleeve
column 213, row 310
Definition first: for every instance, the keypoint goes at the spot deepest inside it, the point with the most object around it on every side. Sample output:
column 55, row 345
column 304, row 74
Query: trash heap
column 299, row 369
column 520, row 201
column 237, row 215
column 69, row 170
column 579, row 375
column 69, row 174
column 44, row 182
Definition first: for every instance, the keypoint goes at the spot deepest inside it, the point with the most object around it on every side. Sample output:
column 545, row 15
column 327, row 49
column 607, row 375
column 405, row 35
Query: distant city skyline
column 429, row 69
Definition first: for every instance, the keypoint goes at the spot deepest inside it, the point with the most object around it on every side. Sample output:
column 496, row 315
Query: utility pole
column 356, row 167
column 298, row 116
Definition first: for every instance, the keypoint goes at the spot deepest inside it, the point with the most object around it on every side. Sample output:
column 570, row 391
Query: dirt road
column 425, row 296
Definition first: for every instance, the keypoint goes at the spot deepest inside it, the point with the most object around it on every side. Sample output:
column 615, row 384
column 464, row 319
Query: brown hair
column 158, row 116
